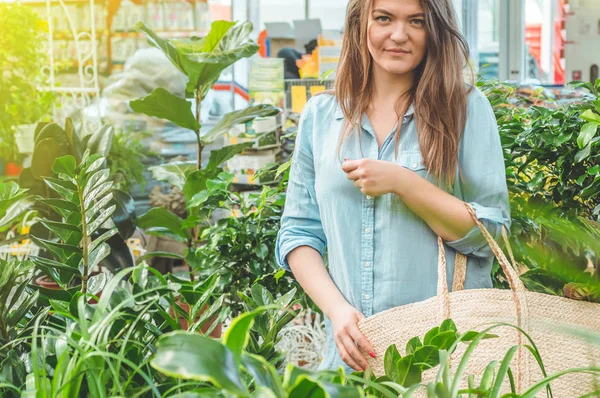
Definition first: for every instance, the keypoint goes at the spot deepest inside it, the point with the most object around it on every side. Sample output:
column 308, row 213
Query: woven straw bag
column 546, row 318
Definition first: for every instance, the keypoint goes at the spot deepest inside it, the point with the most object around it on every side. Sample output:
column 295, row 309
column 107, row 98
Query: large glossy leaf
column 192, row 356
column 66, row 189
column 427, row 357
column 97, row 192
column 305, row 387
column 407, row 373
column 44, row 154
column 97, row 207
column 237, row 335
column 219, row 156
column 160, row 219
column 120, row 256
column 101, row 141
column 161, row 103
column 238, row 117
column 15, row 210
column 106, row 235
column 588, row 132
column 392, row 356
column 444, row 340
column 167, row 47
column 96, row 283
column 52, row 131
column 590, row 116
column 66, row 232
column 263, row 372
column 73, row 139
column 65, row 165
column 206, row 66
column 174, row 173
column 124, row 214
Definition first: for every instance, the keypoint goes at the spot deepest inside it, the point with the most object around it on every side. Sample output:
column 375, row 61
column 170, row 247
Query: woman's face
column 397, row 38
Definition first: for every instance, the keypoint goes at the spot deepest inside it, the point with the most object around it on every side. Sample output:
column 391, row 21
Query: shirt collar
column 339, row 115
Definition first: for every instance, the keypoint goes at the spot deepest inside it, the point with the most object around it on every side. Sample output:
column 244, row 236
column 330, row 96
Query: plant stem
column 84, row 240
column 199, row 120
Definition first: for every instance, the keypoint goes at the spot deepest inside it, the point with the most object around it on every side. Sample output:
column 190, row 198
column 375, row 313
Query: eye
column 383, row 19
column 418, row 22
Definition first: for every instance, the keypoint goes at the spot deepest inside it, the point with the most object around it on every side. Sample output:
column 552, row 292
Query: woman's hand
column 345, row 331
column 373, row 177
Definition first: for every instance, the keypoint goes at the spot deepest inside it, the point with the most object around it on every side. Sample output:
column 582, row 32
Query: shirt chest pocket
column 414, row 162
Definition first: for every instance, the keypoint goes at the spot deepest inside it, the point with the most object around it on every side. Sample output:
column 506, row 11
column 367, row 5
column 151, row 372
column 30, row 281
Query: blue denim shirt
column 379, row 253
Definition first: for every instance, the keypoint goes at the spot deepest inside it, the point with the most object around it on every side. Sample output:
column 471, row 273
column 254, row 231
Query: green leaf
column 65, row 165
column 167, row 47
column 390, row 359
column 263, row 372
column 219, row 156
column 430, row 335
column 447, row 325
column 583, row 154
column 102, row 238
column 588, row 132
column 162, row 219
column 44, row 154
column 161, row 103
column 470, row 335
column 64, row 188
column 413, row 344
column 192, row 356
column 97, row 255
column 488, row 376
column 225, row 45
column 97, row 207
column 236, row 337
column 238, row 117
column 96, row 162
column 595, row 170
column 444, row 340
column 100, row 141
column 174, row 173
column 96, row 283
column 97, row 192
column 306, row 387
column 63, row 230
column 95, row 180
column 407, row 374
column 590, row 116
column 428, row 356
column 98, row 221
column 261, row 251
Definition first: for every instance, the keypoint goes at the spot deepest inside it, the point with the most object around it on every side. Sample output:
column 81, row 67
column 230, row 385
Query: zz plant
column 84, row 192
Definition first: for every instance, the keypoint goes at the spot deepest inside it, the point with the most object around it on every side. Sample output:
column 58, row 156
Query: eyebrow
column 379, row 10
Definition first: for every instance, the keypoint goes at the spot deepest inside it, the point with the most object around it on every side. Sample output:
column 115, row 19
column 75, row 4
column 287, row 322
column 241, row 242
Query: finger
column 362, row 341
column 347, row 358
column 354, row 352
column 350, row 165
column 353, row 175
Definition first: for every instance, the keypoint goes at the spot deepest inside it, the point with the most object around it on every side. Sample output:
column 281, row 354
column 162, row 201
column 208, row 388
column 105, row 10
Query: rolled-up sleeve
column 483, row 177
column 301, row 221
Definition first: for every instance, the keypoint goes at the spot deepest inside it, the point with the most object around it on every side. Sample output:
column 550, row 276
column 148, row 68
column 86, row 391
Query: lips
column 397, row 51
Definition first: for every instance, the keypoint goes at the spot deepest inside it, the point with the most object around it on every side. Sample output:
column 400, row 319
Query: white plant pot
column 24, row 137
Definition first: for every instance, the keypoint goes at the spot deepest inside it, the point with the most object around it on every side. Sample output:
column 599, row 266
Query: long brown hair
column 439, row 92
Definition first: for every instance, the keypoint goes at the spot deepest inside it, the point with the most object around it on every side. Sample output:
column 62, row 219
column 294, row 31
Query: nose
column 399, row 35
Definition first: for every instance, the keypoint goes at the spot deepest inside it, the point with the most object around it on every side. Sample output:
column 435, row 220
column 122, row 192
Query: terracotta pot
column 216, row 333
column 47, row 283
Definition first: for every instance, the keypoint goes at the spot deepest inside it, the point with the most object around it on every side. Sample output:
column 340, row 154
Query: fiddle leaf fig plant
column 202, row 60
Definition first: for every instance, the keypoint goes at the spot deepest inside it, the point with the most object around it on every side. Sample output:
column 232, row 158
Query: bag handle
column 460, row 264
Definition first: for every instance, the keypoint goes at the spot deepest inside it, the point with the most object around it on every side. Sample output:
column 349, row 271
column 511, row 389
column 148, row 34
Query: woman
column 417, row 144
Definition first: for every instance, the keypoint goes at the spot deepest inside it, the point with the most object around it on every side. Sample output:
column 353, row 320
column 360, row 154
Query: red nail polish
column 372, row 354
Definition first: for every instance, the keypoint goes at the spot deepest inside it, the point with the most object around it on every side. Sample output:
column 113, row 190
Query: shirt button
column 369, row 197
column 367, row 264
column 367, row 297
column 367, row 230
column 415, row 165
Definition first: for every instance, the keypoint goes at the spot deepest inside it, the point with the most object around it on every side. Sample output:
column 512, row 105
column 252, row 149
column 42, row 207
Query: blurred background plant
column 21, row 61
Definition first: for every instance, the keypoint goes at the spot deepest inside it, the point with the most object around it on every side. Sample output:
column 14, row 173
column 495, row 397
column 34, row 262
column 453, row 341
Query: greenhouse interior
column 300, row 198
